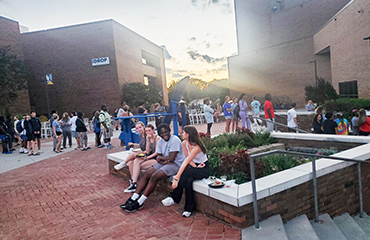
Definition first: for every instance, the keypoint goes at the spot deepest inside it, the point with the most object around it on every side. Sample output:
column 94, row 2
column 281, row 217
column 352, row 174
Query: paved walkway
column 71, row 195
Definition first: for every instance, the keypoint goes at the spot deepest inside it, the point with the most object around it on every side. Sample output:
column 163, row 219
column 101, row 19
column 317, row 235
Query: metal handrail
column 312, row 156
column 280, row 124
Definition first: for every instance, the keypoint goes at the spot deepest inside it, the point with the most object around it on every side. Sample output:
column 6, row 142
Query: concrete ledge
column 322, row 137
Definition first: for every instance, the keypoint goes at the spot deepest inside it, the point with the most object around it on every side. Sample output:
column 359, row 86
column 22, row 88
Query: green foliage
column 322, row 92
column 13, row 78
column 198, row 89
column 134, row 93
column 263, row 138
column 346, row 105
column 239, row 177
column 279, row 162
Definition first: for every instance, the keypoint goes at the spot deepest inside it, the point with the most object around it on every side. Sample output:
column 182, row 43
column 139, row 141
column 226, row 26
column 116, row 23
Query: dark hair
column 33, row 111
column 328, row 115
column 141, row 103
column 123, row 103
column 102, row 106
column 315, row 118
column 163, row 126
column 268, row 96
column 73, row 113
column 293, row 105
column 194, row 137
column 80, row 114
column 241, row 96
column 150, row 126
column 53, row 111
column 206, row 101
column 2, row 119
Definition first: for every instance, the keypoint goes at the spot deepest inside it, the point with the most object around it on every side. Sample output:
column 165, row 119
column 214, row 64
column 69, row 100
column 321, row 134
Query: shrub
column 279, row 162
column 320, row 93
column 346, row 105
column 263, row 138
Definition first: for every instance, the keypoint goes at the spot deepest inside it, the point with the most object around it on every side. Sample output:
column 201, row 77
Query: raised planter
column 288, row 193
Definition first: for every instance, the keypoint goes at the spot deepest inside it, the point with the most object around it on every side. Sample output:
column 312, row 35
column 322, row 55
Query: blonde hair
column 362, row 118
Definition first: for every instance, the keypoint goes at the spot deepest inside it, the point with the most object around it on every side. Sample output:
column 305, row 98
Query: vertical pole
column 360, row 190
column 255, row 205
column 316, row 73
column 315, row 189
column 174, row 111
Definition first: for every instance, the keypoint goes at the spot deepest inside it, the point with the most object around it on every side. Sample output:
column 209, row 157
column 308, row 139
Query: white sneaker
column 119, row 166
column 186, row 214
column 21, row 150
column 168, row 201
column 25, row 151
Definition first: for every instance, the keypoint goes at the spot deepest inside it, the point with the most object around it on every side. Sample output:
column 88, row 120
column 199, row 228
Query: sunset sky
column 199, row 35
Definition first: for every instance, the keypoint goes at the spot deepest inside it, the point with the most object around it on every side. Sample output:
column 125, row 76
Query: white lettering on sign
column 100, row 61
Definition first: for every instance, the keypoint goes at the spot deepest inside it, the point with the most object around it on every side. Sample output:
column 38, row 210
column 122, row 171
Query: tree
column 13, row 78
column 322, row 92
column 134, row 93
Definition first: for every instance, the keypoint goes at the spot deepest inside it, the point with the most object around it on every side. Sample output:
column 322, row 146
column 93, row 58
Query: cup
column 223, row 178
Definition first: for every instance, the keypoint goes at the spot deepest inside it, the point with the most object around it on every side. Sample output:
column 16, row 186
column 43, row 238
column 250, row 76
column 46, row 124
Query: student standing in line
column 235, row 116
column 292, row 119
column 269, row 112
column 81, row 131
column 243, row 113
column 73, row 129
column 255, row 104
column 66, row 129
column 208, row 114
column 227, row 113
column 57, row 133
column 36, row 126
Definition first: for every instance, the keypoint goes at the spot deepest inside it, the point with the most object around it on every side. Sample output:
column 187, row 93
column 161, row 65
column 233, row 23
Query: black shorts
column 30, row 137
column 59, row 133
column 37, row 135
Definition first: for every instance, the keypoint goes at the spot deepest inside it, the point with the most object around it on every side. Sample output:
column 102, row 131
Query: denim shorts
column 168, row 169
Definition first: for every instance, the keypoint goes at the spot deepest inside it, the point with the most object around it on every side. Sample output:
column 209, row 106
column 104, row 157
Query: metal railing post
column 360, row 189
column 254, row 189
column 314, row 181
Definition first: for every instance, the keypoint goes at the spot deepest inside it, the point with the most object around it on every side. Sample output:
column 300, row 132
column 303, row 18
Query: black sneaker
column 134, row 206
column 131, row 188
column 127, row 203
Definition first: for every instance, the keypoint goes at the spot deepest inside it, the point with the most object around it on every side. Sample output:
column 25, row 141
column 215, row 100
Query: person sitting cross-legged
column 195, row 167
column 170, row 157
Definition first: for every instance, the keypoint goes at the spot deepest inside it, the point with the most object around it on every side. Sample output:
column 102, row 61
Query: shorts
column 107, row 133
column 74, row 134
column 38, row 135
column 30, row 137
column 4, row 138
column 168, row 169
column 59, row 133
column 24, row 137
column 227, row 117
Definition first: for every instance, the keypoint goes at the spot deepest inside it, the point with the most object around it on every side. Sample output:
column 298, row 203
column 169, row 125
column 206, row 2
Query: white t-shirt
column 173, row 145
column 291, row 115
column 73, row 122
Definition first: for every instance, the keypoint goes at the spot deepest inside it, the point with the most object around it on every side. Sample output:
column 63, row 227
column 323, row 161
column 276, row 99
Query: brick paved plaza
column 72, row 196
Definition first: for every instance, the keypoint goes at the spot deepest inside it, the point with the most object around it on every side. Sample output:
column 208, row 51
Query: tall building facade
column 88, row 65
column 276, row 46
column 346, row 37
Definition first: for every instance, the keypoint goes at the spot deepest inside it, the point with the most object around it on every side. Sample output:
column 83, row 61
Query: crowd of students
column 335, row 123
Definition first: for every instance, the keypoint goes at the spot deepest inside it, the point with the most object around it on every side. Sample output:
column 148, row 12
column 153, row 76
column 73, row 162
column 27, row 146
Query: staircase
column 343, row 227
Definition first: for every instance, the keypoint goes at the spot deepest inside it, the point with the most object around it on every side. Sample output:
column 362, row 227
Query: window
column 348, row 89
column 146, row 80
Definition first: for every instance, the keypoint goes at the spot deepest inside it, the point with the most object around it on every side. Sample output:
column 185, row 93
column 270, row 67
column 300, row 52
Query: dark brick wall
column 9, row 35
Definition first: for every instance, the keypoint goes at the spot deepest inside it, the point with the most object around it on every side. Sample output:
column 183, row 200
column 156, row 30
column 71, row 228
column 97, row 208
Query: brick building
column 279, row 43
column 9, row 36
column 89, row 64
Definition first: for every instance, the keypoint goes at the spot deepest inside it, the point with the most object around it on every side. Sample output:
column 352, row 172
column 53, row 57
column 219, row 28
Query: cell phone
column 140, row 155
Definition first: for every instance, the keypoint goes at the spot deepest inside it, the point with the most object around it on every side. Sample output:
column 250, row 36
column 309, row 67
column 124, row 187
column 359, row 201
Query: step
column 300, row 228
column 364, row 223
column 350, row 228
column 327, row 229
column 272, row 226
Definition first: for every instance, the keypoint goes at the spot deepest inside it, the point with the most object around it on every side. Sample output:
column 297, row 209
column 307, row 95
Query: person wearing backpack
column 4, row 136
column 97, row 130
column 81, row 131
column 235, row 117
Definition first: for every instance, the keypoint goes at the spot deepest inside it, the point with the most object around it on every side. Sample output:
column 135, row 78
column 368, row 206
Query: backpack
column 19, row 127
column 236, row 111
column 96, row 125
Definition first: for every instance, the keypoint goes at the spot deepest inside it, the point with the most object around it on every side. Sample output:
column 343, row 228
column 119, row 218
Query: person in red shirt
column 269, row 112
column 364, row 123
